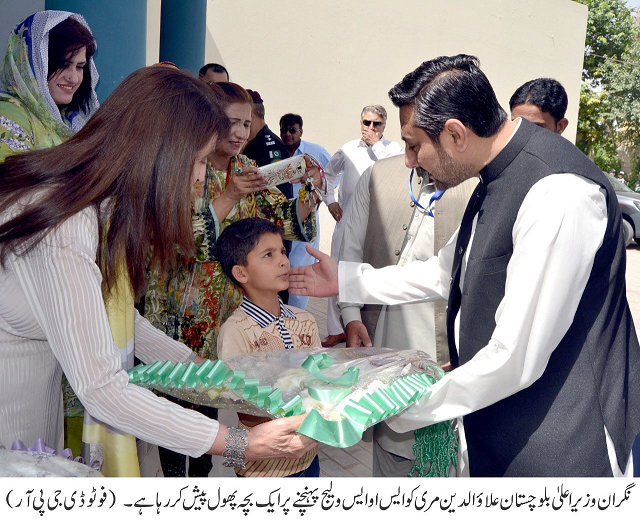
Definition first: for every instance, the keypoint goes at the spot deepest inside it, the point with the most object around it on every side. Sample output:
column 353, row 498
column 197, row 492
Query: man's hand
column 335, row 211
column 357, row 334
column 317, row 280
column 370, row 136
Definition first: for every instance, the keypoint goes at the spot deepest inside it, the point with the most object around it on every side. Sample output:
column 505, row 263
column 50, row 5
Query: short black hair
column 65, row 41
column 545, row 93
column 450, row 87
column 290, row 119
column 239, row 239
column 216, row 67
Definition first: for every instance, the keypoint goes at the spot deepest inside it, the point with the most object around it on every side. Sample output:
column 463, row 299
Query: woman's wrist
column 234, row 453
column 217, row 448
column 228, row 198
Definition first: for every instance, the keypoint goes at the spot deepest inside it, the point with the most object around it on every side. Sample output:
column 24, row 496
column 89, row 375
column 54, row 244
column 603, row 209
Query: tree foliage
column 609, row 113
column 623, row 86
column 596, row 135
column 610, row 28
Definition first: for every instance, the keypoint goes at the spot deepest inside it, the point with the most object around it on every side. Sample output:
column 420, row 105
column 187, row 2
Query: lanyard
column 437, row 195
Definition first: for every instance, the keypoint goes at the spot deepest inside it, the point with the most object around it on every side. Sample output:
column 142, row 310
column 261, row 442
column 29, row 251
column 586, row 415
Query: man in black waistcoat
column 545, row 354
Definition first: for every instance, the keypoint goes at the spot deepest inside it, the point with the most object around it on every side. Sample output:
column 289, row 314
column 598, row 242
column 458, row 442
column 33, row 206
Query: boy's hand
column 317, row 280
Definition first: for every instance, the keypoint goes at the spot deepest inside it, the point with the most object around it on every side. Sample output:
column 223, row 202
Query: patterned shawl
column 24, row 77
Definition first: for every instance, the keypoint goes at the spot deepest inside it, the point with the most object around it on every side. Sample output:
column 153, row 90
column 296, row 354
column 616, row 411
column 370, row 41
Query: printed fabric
column 194, row 299
column 29, row 118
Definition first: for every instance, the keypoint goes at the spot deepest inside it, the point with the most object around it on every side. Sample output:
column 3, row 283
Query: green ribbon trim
column 356, row 416
column 315, row 363
column 343, row 433
column 327, row 392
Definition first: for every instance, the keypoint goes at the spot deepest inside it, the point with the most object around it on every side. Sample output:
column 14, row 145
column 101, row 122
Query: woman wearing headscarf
column 76, row 224
column 47, row 94
column 47, row 82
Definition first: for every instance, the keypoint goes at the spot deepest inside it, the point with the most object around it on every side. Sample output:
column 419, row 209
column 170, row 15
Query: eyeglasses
column 289, row 130
column 368, row 123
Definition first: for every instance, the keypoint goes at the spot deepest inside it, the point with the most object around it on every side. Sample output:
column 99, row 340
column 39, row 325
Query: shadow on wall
column 212, row 52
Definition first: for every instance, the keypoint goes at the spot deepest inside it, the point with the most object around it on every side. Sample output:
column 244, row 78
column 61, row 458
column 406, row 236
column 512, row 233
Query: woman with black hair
column 47, row 83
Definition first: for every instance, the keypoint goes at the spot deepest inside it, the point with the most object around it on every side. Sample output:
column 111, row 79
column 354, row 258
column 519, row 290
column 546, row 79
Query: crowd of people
column 144, row 229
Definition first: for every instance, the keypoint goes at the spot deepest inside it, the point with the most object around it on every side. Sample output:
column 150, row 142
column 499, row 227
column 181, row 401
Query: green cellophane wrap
column 344, row 390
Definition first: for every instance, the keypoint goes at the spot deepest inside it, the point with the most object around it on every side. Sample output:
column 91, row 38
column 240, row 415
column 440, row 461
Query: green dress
column 26, row 119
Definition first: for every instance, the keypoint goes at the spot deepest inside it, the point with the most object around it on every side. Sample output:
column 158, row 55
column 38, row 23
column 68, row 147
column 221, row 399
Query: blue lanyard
column 433, row 199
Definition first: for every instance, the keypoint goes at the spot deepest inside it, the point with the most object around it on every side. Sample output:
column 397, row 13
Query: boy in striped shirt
column 253, row 256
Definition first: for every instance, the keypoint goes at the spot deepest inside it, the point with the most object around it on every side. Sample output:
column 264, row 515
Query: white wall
column 326, row 60
column 153, row 31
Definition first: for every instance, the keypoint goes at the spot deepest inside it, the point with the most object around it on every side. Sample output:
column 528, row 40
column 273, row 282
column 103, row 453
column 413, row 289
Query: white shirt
column 558, row 230
column 53, row 318
column 353, row 159
column 299, row 255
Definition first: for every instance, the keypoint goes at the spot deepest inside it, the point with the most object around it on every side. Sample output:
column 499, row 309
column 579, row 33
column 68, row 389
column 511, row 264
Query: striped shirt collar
column 263, row 317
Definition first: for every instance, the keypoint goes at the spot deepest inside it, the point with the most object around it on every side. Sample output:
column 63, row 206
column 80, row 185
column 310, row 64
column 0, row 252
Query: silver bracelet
column 235, row 443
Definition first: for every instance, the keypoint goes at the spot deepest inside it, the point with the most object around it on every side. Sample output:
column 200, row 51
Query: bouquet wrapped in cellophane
column 360, row 385
column 344, row 390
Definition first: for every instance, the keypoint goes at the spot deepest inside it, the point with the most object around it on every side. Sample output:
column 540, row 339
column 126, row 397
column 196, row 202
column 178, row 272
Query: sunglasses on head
column 368, row 123
column 289, row 130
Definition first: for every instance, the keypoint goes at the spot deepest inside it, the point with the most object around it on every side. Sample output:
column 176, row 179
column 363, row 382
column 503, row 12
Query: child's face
column 267, row 266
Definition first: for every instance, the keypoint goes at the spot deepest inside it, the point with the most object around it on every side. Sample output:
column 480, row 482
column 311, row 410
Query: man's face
column 372, row 121
column 537, row 116
column 214, row 77
column 421, row 151
column 291, row 135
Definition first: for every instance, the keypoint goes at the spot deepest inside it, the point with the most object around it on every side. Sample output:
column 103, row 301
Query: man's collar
column 514, row 146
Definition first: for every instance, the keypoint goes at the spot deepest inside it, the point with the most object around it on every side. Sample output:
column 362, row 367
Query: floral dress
column 194, row 299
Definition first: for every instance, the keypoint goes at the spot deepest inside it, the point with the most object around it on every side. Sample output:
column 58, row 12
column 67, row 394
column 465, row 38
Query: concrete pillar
column 183, row 28
column 120, row 29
